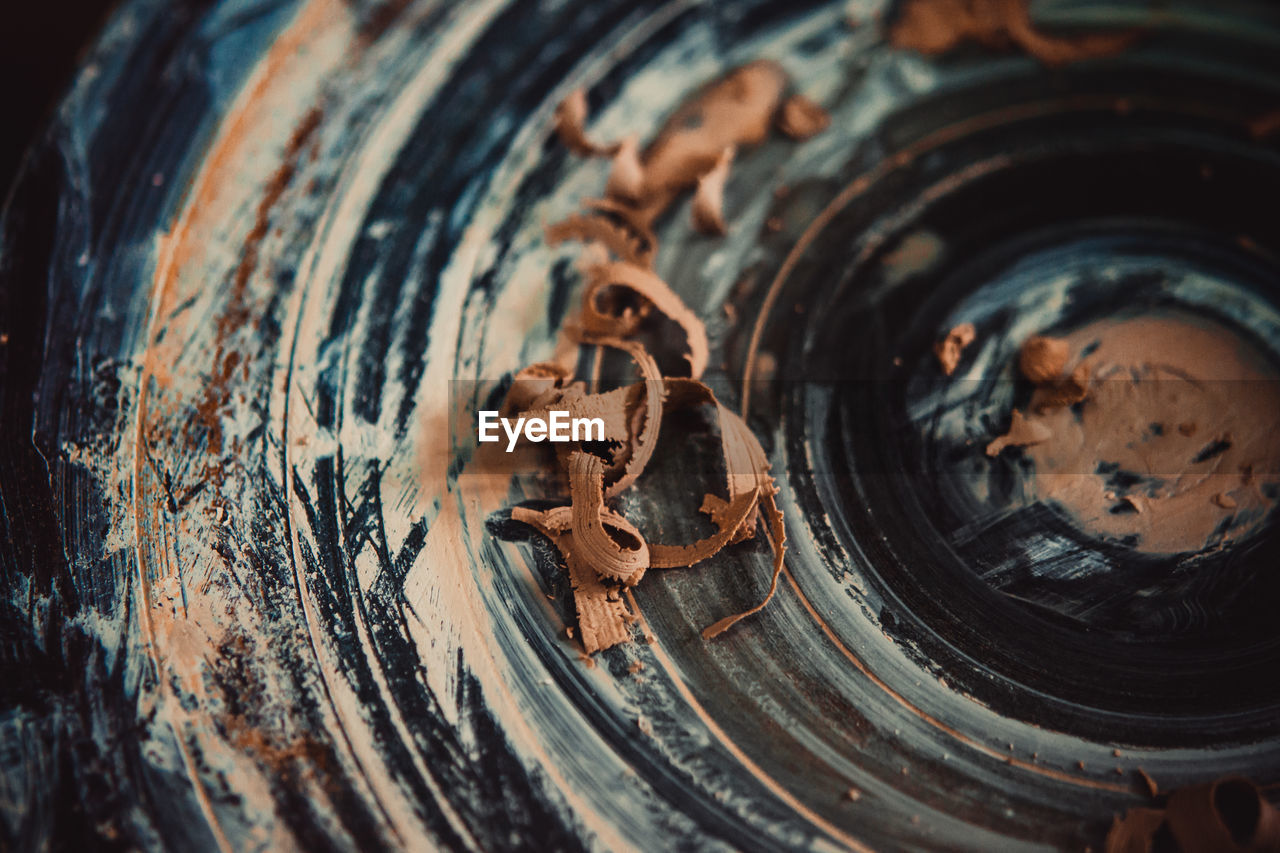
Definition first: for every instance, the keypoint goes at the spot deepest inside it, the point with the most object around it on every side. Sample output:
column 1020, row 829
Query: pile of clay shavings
column 604, row 552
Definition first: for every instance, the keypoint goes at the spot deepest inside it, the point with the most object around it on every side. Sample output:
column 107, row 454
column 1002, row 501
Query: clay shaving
column 571, row 120
column 938, row 26
column 603, row 552
column 801, row 118
column 948, row 349
column 1226, row 816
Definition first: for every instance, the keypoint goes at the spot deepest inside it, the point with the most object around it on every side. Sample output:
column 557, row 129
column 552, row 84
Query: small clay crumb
column 1034, row 756
column 1116, row 753
column 568, row 631
column 1224, row 500
column 853, row 795
column 1079, row 765
column 800, row 118
column 642, row 723
column 773, row 224
column 1152, row 788
column 1188, row 429
column 1043, row 360
column 949, row 348
column 781, row 191
column 906, row 771
column 635, row 667
column 1022, row 433
column 1136, row 502
column 587, row 659
column 1119, row 771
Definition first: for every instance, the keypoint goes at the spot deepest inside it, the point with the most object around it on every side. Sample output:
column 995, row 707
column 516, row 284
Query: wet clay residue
column 1226, row 816
column 938, row 26
column 622, row 298
column 948, row 349
column 1162, row 434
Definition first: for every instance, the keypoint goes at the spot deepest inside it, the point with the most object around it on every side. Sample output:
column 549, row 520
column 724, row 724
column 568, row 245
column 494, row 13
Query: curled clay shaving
column 746, row 473
column 621, row 555
column 730, row 521
column 571, row 121
column 1226, row 816
column 938, row 26
column 642, row 436
column 600, row 547
column 778, row 535
column 598, row 322
column 708, row 199
column 626, row 175
column 603, row 617
column 1022, row 433
column 949, row 348
column 801, row 117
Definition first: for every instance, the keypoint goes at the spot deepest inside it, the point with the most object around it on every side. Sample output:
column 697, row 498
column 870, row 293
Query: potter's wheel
column 270, row 259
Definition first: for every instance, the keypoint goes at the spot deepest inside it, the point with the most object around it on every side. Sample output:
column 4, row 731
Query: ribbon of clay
column 622, row 555
column 618, row 237
column 603, row 617
column 571, row 121
column 598, row 323
column 612, row 407
column 635, row 454
column 778, row 537
column 729, row 523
